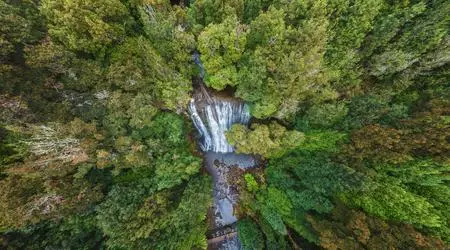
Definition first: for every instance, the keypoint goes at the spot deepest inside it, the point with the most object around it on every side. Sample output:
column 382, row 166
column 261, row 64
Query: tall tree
column 94, row 27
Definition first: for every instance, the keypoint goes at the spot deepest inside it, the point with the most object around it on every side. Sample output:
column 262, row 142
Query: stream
column 213, row 115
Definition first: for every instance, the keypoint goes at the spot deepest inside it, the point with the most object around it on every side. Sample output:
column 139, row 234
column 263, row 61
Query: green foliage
column 297, row 183
column 11, row 149
column 136, row 66
column 94, row 27
column 252, row 185
column 221, row 46
column 427, row 179
column 96, row 149
column 74, row 232
column 281, row 63
column 387, row 200
column 311, row 179
column 326, row 115
column 48, row 56
column 174, row 168
column 204, row 12
column 279, row 201
column 166, row 132
column 389, row 23
column 326, row 140
column 250, row 235
column 142, row 111
column 168, row 219
column 273, row 219
column 270, row 62
column 423, row 34
column 346, row 34
column 365, row 110
column 21, row 24
column 352, row 229
column 123, row 201
column 164, row 28
column 270, row 141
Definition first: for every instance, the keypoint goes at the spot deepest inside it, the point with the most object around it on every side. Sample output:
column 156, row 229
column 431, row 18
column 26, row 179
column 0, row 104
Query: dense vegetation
column 352, row 108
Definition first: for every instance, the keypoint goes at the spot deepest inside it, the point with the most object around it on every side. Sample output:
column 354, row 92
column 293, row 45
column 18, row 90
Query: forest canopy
column 350, row 106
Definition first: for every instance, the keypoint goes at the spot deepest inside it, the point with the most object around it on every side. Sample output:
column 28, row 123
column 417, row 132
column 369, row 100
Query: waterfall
column 212, row 116
column 212, row 119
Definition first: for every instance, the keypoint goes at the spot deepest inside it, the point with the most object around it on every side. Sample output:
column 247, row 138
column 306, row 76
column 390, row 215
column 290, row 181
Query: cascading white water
column 213, row 116
column 214, row 119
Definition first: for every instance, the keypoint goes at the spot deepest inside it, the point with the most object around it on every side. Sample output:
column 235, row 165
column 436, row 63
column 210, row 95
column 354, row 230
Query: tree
column 174, row 168
column 384, row 199
column 349, row 24
column 352, row 229
column 310, row 179
column 95, row 26
column 322, row 116
column 221, row 46
column 365, row 110
column 378, row 144
column 96, row 151
column 388, row 23
column 22, row 25
column 156, row 219
column 76, row 231
column 142, row 111
column 30, row 200
column 425, row 33
column 427, row 179
column 281, row 63
column 11, row 148
column 423, row 134
column 136, row 66
column 165, row 27
column 14, row 31
column 204, row 12
column 270, row 141
column 296, row 184
column 250, row 235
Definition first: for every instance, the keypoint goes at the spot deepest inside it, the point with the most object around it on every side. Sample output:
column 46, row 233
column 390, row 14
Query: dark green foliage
column 250, row 235
column 93, row 27
column 166, row 131
column 135, row 66
column 298, row 183
column 148, row 219
column 416, row 38
column 387, row 200
column 11, row 149
column 352, row 229
column 327, row 115
column 21, row 25
column 365, row 110
column 75, row 232
column 96, row 150
column 204, row 12
column 316, row 177
column 325, row 140
column 347, row 30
